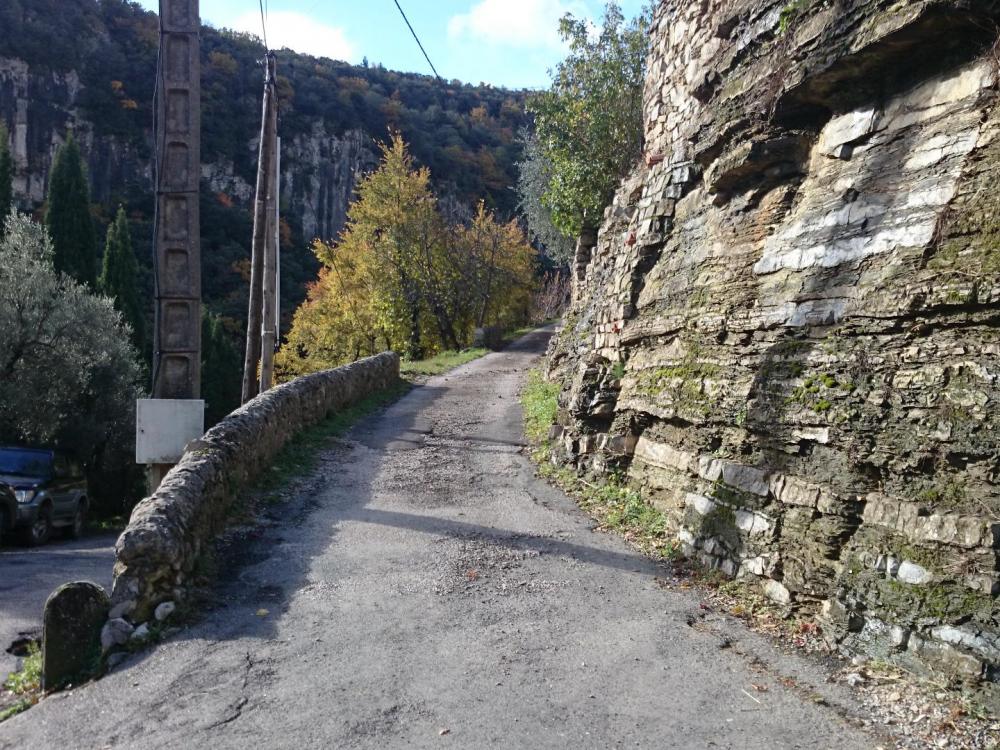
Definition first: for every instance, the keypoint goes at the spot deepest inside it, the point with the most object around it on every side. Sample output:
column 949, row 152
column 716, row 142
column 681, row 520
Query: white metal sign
column 164, row 427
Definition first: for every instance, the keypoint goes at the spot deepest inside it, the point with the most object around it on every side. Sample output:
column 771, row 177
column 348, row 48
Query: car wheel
column 3, row 526
column 79, row 521
column 39, row 532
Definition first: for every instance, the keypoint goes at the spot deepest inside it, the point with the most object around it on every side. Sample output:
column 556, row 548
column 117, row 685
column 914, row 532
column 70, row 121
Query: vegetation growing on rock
column 588, row 125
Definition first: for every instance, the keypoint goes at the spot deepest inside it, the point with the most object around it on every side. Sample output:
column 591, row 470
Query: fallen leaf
column 443, row 732
column 759, row 688
column 471, row 575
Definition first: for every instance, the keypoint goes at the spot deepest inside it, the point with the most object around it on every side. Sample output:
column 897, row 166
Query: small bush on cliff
column 589, row 129
column 789, row 13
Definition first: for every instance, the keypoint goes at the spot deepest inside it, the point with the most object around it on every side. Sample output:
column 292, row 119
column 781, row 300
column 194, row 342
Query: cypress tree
column 221, row 370
column 68, row 216
column 119, row 278
column 6, row 177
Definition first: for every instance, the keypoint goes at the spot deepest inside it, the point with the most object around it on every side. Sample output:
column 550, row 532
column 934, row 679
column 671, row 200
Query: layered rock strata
column 786, row 332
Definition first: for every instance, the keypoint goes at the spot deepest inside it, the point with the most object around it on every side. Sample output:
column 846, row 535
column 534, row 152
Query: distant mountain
column 88, row 66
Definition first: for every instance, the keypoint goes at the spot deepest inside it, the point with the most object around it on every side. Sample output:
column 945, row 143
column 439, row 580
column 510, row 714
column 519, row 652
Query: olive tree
column 69, row 375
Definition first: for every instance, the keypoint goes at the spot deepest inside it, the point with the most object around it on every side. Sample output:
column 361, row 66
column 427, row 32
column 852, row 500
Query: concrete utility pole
column 262, row 231
column 177, row 338
column 175, row 416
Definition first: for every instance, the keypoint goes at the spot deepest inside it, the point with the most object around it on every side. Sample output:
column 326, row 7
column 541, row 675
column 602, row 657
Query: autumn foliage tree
column 405, row 277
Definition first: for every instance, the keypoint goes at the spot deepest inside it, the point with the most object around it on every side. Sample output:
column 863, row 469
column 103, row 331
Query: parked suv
column 50, row 490
column 8, row 509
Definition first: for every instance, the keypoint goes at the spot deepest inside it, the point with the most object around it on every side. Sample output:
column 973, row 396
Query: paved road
column 434, row 594
column 28, row 576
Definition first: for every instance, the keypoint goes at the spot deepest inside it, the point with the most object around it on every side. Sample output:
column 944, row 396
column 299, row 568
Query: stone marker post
column 71, row 633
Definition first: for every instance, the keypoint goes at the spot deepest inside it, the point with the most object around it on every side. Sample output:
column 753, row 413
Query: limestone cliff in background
column 319, row 168
column 787, row 328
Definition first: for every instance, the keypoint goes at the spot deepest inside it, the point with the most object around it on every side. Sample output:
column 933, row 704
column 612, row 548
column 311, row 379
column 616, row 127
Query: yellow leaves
column 401, row 277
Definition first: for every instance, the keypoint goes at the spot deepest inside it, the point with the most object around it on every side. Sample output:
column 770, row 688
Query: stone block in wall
column 663, row 455
column 947, row 658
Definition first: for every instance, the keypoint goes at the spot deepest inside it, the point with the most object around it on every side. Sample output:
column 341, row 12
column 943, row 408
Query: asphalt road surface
column 425, row 590
column 29, row 575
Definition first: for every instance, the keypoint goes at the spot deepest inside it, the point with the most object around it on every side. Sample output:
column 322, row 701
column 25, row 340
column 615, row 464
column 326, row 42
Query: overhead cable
column 263, row 23
column 426, row 57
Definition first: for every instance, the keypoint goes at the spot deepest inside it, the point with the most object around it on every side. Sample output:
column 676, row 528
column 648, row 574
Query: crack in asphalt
column 236, row 709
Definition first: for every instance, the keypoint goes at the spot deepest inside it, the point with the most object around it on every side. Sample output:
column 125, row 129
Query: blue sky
column 503, row 42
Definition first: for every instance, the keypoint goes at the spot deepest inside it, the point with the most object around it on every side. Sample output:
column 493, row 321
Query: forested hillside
column 88, row 66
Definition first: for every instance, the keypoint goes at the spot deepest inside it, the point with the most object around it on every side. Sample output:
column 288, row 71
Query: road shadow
column 225, row 610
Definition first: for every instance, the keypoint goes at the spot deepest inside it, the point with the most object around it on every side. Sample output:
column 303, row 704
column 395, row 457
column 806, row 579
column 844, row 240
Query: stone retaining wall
column 787, row 330
column 169, row 530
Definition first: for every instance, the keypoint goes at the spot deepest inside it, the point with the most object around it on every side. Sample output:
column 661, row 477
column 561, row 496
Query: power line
column 263, row 23
column 426, row 57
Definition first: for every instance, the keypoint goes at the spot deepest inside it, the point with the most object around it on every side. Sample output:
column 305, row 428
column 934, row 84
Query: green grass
column 615, row 505
column 449, row 360
column 539, row 400
column 19, row 707
column 518, row 333
column 27, row 683
column 441, row 363
column 29, row 679
column 621, row 508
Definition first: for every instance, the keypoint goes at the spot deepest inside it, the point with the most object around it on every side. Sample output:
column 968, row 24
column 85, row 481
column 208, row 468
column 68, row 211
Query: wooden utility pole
column 177, row 337
column 261, row 233
column 268, row 334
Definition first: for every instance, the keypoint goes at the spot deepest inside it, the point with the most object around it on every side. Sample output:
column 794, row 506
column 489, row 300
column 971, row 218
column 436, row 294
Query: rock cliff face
column 319, row 169
column 786, row 331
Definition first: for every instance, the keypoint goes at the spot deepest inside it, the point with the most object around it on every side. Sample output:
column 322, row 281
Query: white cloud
column 299, row 32
column 516, row 23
